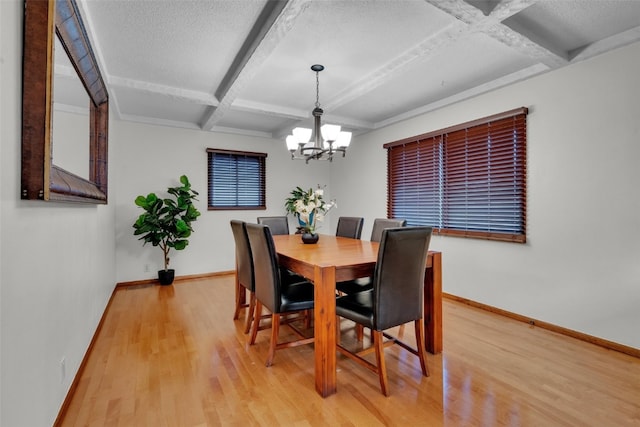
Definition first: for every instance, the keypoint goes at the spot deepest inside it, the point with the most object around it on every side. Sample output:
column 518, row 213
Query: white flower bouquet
column 309, row 207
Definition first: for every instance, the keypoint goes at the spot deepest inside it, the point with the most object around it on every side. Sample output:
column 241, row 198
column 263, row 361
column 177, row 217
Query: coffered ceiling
column 243, row 66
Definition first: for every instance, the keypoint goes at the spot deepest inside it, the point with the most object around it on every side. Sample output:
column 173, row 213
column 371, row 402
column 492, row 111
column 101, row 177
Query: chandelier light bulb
column 303, row 135
column 292, row 143
column 344, row 139
column 330, row 132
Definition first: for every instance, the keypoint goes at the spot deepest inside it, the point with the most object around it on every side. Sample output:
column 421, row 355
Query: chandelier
column 328, row 139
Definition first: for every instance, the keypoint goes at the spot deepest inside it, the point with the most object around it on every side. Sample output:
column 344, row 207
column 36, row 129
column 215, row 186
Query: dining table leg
column 325, row 329
column 433, row 304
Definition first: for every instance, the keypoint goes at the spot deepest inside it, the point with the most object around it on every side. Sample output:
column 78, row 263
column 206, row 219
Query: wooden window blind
column 467, row 180
column 236, row 180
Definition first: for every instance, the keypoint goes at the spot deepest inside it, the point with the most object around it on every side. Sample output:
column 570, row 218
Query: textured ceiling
column 243, row 66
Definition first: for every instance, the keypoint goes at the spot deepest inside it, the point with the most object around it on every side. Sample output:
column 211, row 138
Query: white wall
column 152, row 158
column 580, row 268
column 57, row 266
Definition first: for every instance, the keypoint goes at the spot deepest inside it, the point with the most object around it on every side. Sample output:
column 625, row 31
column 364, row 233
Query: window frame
column 237, row 155
column 436, row 162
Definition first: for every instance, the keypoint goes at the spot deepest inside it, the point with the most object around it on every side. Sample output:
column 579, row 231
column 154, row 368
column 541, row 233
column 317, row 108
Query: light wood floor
column 172, row 356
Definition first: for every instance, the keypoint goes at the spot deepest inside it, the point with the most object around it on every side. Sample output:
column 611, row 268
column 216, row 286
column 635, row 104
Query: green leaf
column 141, row 201
column 180, row 244
column 181, row 226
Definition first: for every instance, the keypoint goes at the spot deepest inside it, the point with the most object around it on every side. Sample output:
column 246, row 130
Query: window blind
column 467, row 180
column 236, row 179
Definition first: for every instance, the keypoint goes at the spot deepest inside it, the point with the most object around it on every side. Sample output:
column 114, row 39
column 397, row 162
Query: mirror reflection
column 70, row 117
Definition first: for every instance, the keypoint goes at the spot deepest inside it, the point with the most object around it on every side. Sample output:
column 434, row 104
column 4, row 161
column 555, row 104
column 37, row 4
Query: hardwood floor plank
column 173, row 356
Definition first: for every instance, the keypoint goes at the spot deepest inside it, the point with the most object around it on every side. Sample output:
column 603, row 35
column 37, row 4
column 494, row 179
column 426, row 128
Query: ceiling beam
column 492, row 26
column 274, row 22
column 265, row 21
column 192, row 96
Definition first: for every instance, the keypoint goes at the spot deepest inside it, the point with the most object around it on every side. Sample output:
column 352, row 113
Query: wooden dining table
column 335, row 259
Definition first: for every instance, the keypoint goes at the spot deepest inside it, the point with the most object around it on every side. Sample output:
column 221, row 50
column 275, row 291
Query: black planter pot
column 166, row 276
column 309, row 238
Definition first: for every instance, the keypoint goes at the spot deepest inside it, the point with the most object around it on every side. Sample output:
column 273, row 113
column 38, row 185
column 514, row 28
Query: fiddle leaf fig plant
column 167, row 222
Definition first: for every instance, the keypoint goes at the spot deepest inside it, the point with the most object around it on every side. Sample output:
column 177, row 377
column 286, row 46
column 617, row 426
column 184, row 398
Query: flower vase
column 310, row 238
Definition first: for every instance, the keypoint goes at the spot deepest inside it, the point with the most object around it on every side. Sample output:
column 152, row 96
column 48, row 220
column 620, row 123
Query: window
column 236, row 180
column 467, row 180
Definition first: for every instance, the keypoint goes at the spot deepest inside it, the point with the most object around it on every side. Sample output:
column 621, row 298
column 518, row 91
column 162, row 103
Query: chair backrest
column 244, row 259
column 350, row 226
column 398, row 278
column 380, row 224
column 265, row 263
column 277, row 224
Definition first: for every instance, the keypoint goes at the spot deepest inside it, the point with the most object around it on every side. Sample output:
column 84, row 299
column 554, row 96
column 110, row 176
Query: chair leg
column 359, row 332
column 382, row 366
column 420, row 346
column 256, row 322
column 401, row 331
column 275, row 328
column 308, row 315
column 250, row 313
column 240, row 299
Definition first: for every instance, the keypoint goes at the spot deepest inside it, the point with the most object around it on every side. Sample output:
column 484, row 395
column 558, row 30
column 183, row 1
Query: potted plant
column 167, row 222
column 309, row 208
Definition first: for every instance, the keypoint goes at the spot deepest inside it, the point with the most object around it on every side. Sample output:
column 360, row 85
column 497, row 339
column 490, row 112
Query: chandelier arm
column 313, row 149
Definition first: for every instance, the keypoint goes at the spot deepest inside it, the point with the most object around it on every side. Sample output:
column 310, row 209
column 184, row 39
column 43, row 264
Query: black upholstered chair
column 280, row 225
column 244, row 271
column 364, row 283
column 350, row 226
column 271, row 292
column 380, row 224
column 277, row 224
column 395, row 299
column 246, row 274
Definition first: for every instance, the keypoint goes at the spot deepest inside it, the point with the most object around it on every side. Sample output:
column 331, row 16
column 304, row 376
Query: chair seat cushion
column 288, row 276
column 353, row 286
column 296, row 296
column 357, row 307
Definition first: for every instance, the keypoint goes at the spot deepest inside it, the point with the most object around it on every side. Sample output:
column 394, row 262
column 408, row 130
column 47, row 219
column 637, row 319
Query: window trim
column 440, row 137
column 237, row 153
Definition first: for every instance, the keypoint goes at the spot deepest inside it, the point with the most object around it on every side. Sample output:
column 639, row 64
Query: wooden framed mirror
column 41, row 178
